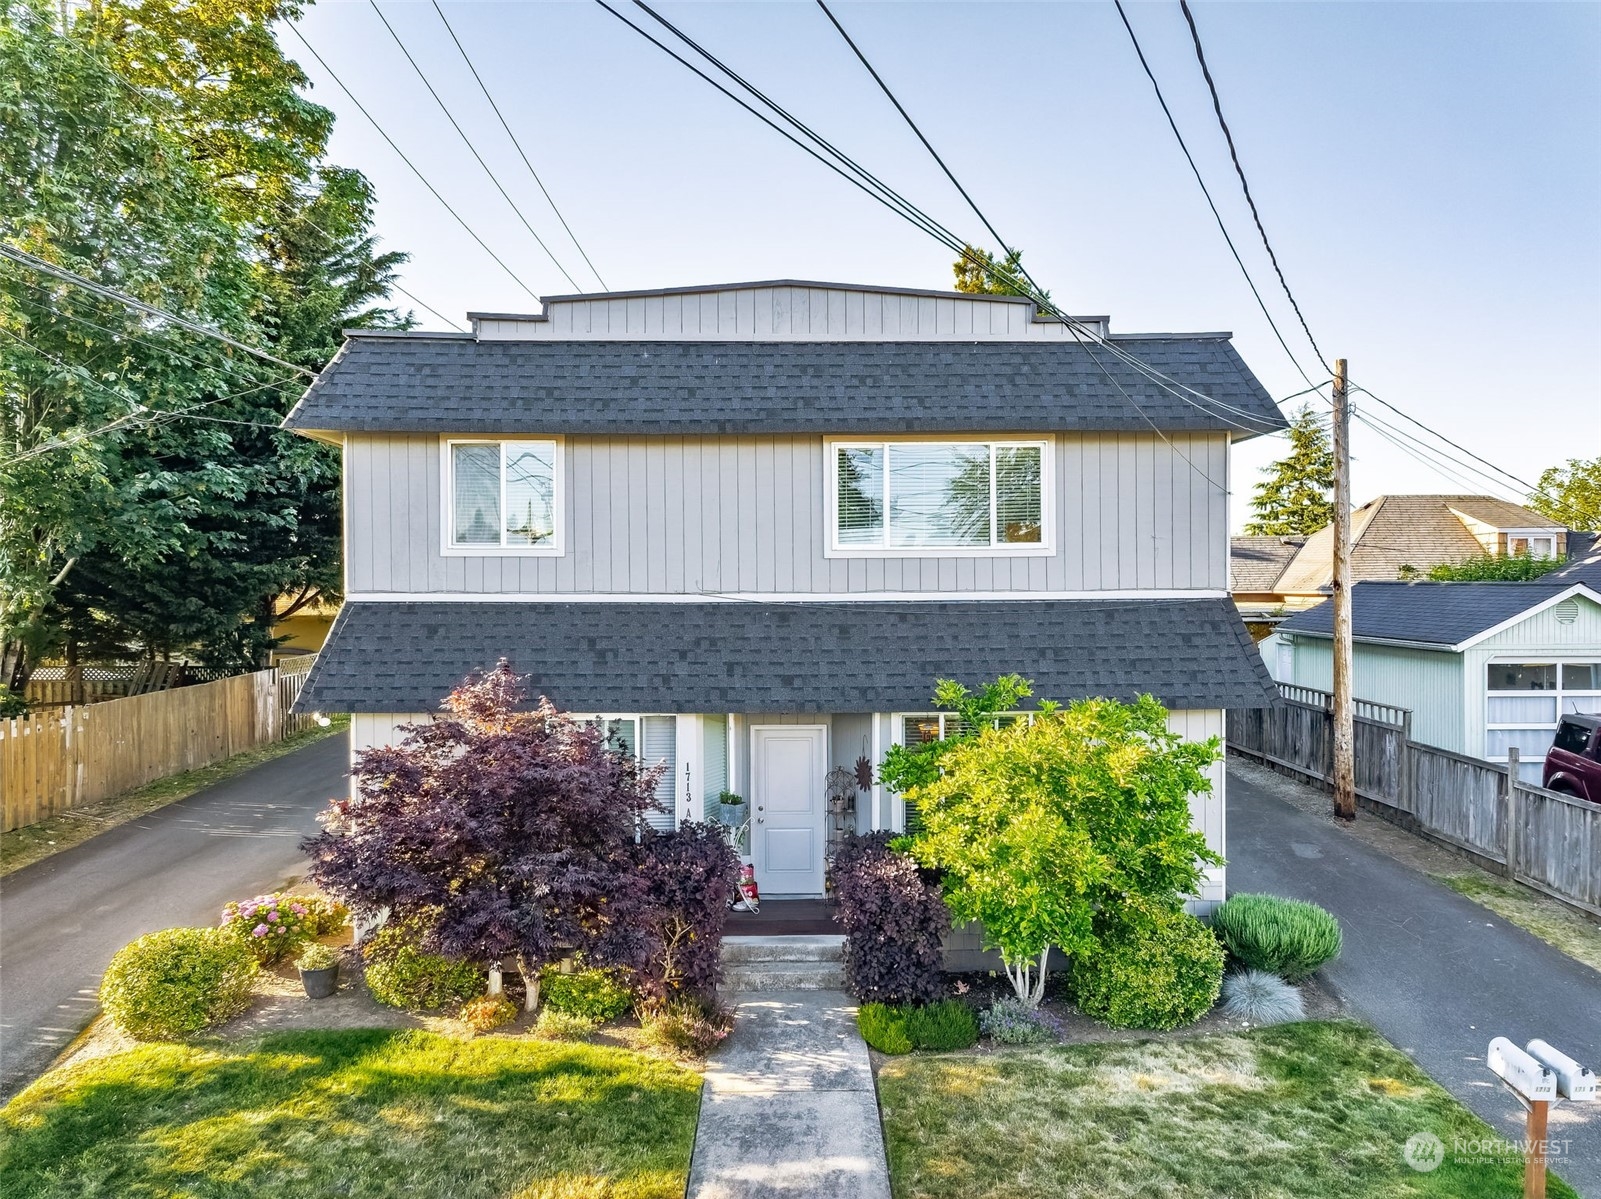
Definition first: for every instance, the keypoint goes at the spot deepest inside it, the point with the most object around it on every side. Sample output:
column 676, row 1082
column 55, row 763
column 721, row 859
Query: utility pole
column 1344, row 732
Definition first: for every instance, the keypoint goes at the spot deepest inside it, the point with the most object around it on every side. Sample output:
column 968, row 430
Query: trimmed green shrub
column 883, row 1026
column 598, row 994
column 1286, row 937
column 901, row 1028
column 488, row 1012
column 1010, row 1021
column 169, row 984
column 1159, row 973
column 559, row 1026
column 688, row 1027
column 403, row 976
column 949, row 1024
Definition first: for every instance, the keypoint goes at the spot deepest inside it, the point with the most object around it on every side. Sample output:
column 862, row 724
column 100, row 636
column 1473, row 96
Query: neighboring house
column 1392, row 537
column 1482, row 666
column 748, row 526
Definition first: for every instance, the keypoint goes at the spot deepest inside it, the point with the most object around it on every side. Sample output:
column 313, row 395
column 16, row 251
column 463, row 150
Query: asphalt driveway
column 62, row 919
column 1434, row 972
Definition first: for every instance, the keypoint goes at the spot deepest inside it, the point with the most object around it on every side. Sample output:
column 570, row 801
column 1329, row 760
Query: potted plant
column 732, row 808
column 319, row 971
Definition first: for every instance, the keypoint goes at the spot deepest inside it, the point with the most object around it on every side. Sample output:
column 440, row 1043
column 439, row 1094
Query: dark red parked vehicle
column 1573, row 763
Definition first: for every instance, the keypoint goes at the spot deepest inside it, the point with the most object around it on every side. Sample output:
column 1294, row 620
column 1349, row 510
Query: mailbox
column 1573, row 1080
column 1521, row 1072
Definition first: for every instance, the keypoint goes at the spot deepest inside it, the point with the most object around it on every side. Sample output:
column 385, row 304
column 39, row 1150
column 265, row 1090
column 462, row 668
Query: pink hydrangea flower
column 273, row 916
column 259, row 931
column 297, row 909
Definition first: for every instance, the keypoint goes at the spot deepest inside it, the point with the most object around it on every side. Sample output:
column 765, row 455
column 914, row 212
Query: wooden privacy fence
column 1551, row 842
column 53, row 761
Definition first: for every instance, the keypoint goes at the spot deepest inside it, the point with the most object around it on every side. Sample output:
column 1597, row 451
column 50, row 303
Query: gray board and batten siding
column 783, row 309
column 720, row 515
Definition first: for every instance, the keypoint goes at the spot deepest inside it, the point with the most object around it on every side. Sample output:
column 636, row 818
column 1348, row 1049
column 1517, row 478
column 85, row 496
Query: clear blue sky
column 1430, row 175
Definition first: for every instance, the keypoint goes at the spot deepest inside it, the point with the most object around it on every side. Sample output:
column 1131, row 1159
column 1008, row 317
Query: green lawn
column 1301, row 1110
column 356, row 1113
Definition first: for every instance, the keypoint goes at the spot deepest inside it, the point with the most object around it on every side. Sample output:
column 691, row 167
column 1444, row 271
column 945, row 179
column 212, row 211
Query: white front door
column 787, row 766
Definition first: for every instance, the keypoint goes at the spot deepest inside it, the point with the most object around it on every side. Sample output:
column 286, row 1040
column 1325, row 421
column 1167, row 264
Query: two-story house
column 748, row 526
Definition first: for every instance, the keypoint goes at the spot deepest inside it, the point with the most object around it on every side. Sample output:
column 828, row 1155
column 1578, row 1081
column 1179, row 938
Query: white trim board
column 757, row 597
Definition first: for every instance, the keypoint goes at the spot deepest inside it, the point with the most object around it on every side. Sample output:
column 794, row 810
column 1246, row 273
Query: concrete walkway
column 789, row 1109
column 62, row 919
column 1434, row 972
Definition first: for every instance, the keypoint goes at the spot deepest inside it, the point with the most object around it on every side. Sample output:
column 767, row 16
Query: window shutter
column 659, row 746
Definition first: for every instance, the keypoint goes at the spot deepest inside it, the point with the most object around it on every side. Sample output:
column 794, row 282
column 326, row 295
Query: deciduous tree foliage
column 1571, row 493
column 1295, row 498
column 150, row 506
column 1040, row 826
column 504, row 833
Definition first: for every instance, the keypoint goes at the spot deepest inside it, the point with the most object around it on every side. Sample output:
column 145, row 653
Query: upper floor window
column 931, row 497
column 1520, row 545
column 504, row 495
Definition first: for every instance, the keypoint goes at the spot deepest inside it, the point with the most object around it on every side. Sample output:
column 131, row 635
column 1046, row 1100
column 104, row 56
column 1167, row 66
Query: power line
column 1205, row 191
column 517, row 143
column 423, row 179
column 897, row 203
column 39, row 264
column 1217, row 107
column 467, row 141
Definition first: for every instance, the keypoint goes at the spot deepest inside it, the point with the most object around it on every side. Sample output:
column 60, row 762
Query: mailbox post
column 1539, row 1076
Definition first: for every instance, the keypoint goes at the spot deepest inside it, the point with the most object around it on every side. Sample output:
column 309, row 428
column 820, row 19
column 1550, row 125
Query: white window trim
column 1550, row 540
column 1557, row 694
column 557, row 545
column 1044, row 548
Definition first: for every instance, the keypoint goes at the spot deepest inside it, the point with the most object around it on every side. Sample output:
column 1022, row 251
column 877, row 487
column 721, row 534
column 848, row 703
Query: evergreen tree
column 1295, row 497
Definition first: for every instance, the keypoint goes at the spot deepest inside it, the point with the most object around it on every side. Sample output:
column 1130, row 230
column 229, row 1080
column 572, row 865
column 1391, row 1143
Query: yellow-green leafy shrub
column 170, row 984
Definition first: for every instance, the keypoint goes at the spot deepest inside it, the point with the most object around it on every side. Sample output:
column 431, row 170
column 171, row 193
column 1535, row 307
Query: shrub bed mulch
column 981, row 988
column 279, row 1004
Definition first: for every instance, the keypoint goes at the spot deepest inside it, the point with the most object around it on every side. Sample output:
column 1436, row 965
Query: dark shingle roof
column 1434, row 613
column 870, row 656
column 1584, row 561
column 1256, row 562
column 449, row 384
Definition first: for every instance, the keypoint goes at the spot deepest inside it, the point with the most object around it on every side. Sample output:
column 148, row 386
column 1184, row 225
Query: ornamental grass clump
column 561, row 1026
column 1286, row 937
column 1155, row 969
column 170, row 984
column 688, row 1027
column 1261, row 998
column 274, row 926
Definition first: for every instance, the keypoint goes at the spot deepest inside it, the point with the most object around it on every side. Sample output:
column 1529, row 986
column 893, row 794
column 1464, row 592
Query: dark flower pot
column 320, row 984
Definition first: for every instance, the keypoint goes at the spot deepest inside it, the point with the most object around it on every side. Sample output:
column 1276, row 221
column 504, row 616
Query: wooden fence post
column 1510, row 811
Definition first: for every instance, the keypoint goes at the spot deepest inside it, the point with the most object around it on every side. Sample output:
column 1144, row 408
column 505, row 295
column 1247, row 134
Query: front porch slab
column 788, row 1109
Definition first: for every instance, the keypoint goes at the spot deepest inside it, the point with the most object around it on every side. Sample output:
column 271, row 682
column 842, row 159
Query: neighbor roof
column 1256, row 562
column 1393, row 531
column 1584, row 561
column 1500, row 514
column 459, row 385
column 1443, row 614
column 705, row 656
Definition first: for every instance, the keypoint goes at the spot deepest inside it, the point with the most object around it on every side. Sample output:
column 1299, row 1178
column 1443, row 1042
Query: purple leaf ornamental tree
column 502, row 833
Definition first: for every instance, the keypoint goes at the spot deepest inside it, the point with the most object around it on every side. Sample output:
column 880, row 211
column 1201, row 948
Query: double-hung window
column 1524, row 700
column 651, row 741
column 503, row 495
column 916, row 497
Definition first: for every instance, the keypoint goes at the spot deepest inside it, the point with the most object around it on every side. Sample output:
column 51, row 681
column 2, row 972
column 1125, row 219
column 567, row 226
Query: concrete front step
column 742, row 950
column 784, row 976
